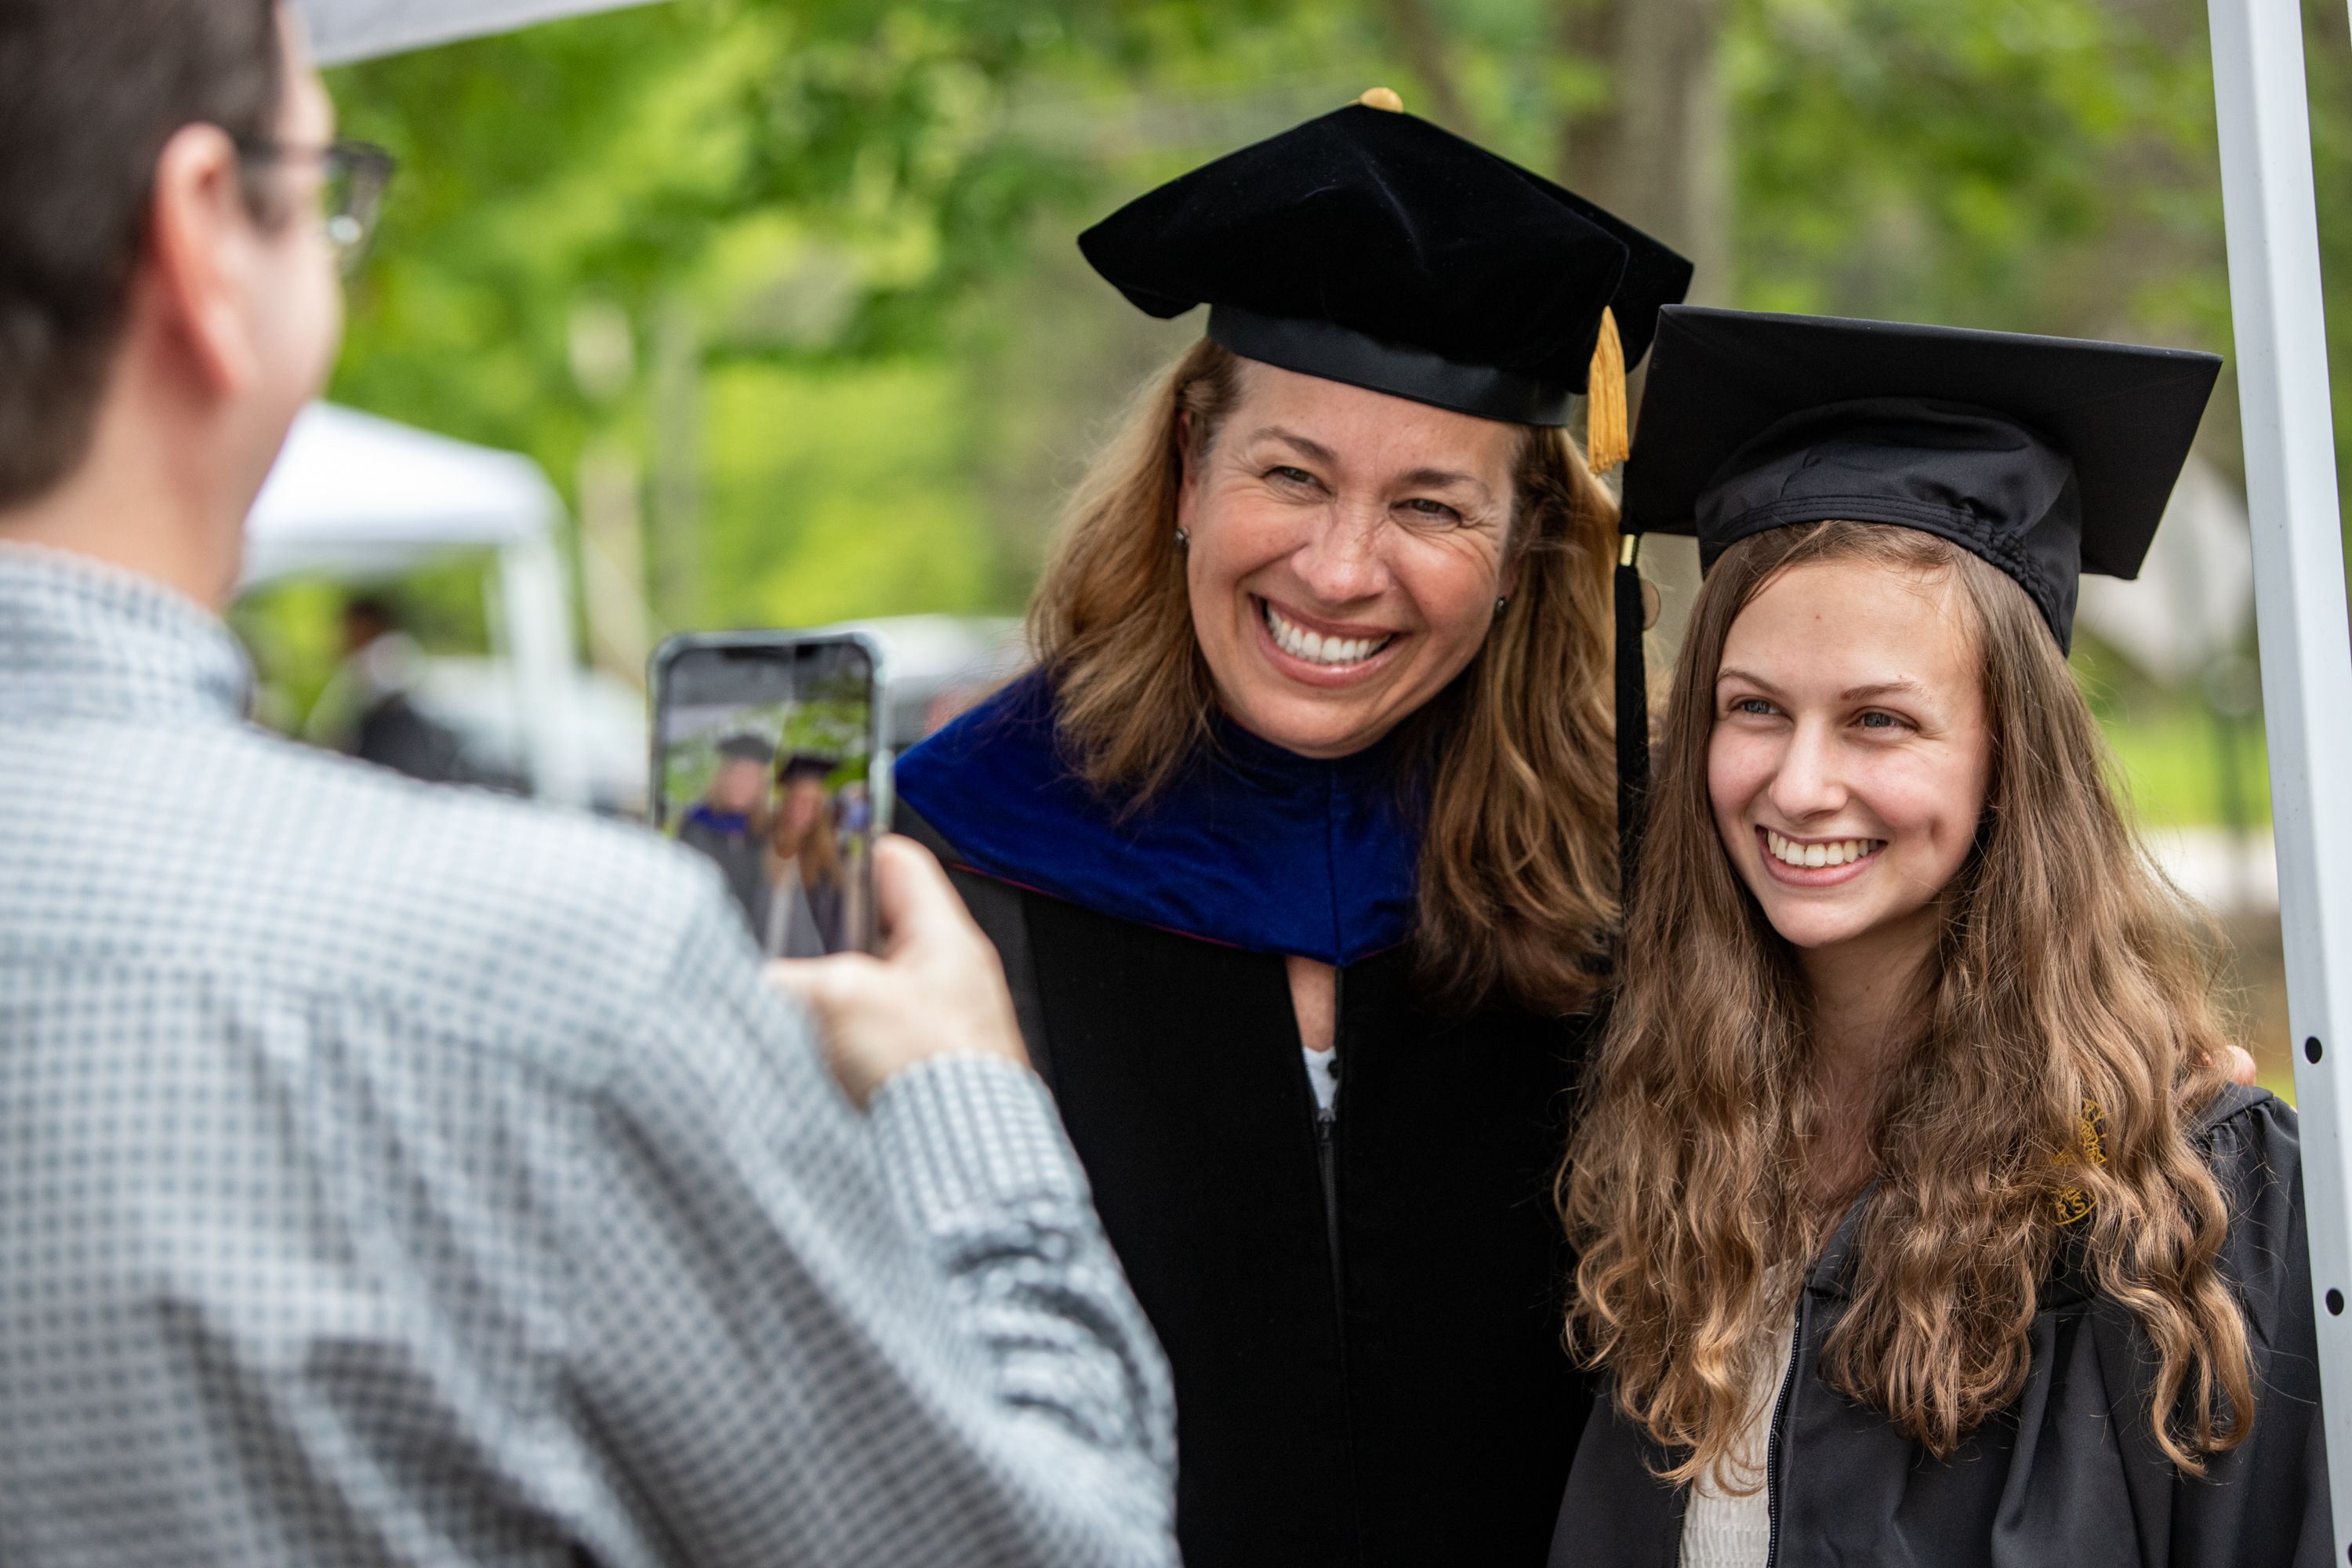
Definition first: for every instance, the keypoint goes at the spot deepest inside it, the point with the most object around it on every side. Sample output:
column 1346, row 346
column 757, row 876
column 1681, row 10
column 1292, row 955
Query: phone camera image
column 764, row 760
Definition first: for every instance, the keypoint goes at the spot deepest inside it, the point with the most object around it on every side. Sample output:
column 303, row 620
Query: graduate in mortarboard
column 804, row 887
column 1916, row 1222
column 726, row 823
column 1299, row 845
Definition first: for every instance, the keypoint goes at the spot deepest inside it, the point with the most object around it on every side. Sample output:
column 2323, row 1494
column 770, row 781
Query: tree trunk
column 1655, row 152
column 1418, row 36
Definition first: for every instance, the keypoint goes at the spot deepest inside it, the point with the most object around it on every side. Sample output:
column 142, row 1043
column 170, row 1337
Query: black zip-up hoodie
column 2068, row 1476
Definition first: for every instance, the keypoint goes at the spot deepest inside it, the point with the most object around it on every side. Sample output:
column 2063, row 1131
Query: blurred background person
column 728, row 823
column 318, row 1110
column 804, row 886
column 1300, row 844
column 366, row 711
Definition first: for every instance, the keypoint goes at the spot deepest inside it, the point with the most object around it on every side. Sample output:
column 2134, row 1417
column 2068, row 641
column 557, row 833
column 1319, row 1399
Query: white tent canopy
column 2195, row 596
column 355, row 496
column 346, row 30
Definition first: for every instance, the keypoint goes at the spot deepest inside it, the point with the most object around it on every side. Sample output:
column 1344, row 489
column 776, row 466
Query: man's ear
column 199, row 231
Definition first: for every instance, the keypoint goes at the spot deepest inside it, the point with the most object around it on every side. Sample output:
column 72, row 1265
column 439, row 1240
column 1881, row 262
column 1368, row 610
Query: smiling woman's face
column 1346, row 551
column 1850, row 752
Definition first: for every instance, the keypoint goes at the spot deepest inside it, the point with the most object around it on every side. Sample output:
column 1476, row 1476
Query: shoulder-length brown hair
column 2070, row 979
column 1519, row 858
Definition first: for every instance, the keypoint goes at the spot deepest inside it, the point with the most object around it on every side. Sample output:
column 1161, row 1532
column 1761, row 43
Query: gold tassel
column 1607, row 441
column 2090, row 1133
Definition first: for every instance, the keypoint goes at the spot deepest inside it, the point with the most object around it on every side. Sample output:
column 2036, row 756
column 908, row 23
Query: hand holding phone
column 938, row 991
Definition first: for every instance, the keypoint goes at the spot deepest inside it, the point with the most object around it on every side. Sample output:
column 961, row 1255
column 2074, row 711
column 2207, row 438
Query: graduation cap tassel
column 1633, row 713
column 1608, row 440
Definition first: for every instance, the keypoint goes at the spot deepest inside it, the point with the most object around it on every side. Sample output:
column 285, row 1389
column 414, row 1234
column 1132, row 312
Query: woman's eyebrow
column 1731, row 673
column 1440, row 480
column 1314, row 450
column 1905, row 687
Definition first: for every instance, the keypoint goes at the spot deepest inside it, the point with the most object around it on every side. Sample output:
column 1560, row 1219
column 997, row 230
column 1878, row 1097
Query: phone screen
column 767, row 760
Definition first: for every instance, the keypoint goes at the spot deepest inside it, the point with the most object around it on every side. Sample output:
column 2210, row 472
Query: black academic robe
column 2070, row 1476
column 1364, row 1318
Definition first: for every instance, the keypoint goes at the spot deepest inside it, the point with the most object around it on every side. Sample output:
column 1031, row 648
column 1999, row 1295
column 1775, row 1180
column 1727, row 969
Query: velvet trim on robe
column 726, row 824
column 1362, row 1313
column 1368, row 1359
column 1250, row 846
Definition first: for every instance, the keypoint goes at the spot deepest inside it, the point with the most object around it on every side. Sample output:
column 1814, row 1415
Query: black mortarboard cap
column 2047, row 456
column 746, row 746
column 1371, row 247
column 805, row 765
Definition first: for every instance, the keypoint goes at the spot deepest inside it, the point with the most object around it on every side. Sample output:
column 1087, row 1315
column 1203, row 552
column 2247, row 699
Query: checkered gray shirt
column 400, row 1176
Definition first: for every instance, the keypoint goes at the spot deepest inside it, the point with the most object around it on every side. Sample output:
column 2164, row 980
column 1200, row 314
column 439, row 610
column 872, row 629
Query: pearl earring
column 1183, row 540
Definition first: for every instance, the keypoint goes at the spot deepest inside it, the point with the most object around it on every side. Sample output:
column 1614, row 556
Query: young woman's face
column 802, row 810
column 1346, row 551
column 1849, row 756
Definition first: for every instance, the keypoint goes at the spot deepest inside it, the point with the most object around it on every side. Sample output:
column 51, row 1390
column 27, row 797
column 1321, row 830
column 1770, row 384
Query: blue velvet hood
column 1250, row 845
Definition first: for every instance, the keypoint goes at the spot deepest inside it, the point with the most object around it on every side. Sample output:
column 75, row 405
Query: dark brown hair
column 2072, row 988
column 90, row 92
column 1518, row 866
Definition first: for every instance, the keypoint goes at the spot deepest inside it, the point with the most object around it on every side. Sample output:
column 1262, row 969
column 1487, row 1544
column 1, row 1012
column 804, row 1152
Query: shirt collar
column 82, row 638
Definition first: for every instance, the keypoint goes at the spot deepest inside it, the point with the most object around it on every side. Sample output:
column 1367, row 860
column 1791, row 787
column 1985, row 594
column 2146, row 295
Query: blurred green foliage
column 2186, row 767
column 858, row 361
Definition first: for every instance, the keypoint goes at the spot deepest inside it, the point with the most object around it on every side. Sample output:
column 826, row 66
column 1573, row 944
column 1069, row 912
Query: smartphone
column 769, row 758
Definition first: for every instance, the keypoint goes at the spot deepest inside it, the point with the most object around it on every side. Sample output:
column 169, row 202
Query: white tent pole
column 543, row 662
column 2274, row 297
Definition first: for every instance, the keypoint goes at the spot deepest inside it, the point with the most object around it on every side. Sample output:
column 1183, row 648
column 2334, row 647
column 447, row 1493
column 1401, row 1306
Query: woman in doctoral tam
column 1299, row 845
column 1916, row 1222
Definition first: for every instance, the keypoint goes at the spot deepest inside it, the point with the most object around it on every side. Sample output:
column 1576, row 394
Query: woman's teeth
column 1315, row 648
column 1837, row 852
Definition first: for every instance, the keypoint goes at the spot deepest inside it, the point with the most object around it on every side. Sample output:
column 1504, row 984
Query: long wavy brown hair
column 817, row 852
column 1518, row 858
column 2068, row 973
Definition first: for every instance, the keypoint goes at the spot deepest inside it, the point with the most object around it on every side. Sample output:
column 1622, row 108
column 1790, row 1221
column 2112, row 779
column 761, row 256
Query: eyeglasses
column 354, row 176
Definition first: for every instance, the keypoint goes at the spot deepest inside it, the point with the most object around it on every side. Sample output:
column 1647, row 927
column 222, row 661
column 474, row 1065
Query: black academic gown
column 2070, row 1477
column 1363, row 1318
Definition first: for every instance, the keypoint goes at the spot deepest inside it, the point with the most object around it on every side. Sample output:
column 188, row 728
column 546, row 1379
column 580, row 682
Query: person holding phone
column 1916, row 1222
column 398, row 1175
column 1299, row 844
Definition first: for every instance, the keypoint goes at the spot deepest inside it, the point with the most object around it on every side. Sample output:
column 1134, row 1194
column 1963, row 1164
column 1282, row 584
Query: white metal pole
column 543, row 664
column 2282, row 359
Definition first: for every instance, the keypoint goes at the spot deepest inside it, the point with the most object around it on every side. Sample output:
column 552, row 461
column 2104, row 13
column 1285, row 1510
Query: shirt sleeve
column 2266, row 1500
column 808, row 1336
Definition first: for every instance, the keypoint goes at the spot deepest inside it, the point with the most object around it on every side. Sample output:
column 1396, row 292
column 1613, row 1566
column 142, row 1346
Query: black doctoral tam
column 1372, row 247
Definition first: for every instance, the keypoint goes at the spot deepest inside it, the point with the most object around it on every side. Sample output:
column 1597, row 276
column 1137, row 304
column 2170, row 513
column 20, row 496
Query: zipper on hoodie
column 1772, row 1442
column 1327, row 1163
